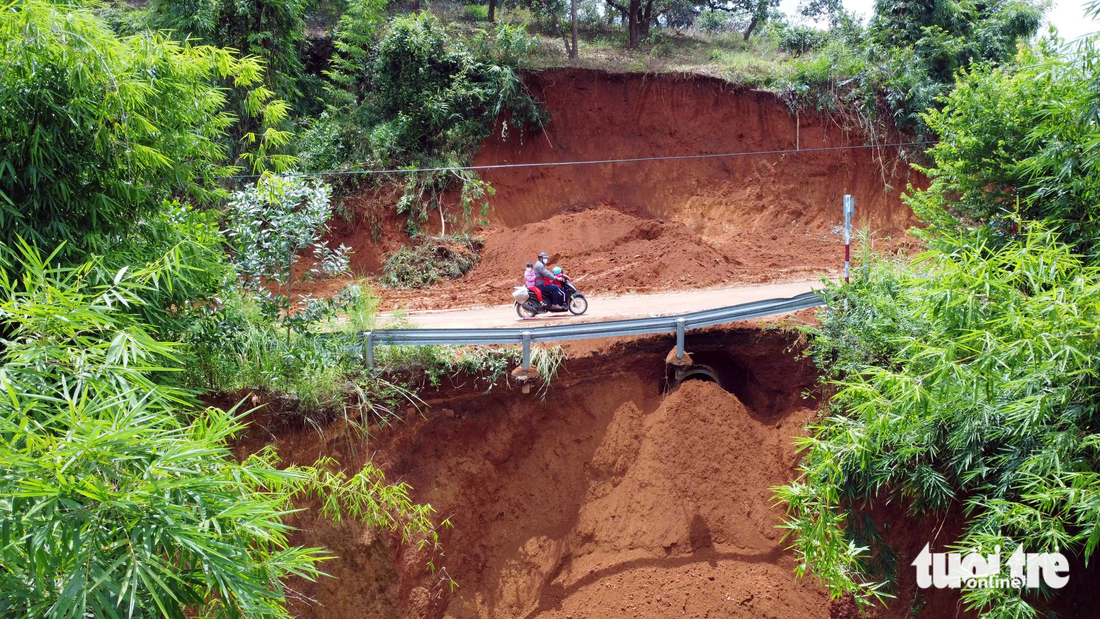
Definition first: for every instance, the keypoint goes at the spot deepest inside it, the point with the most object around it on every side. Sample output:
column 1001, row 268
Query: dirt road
column 601, row 307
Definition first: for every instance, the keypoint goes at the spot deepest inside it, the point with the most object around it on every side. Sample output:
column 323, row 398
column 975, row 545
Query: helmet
column 544, row 257
column 556, row 271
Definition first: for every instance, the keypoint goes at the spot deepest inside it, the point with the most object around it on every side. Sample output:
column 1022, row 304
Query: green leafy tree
column 272, row 221
column 968, row 30
column 939, row 38
column 886, row 76
column 271, row 30
column 269, row 224
column 1019, row 141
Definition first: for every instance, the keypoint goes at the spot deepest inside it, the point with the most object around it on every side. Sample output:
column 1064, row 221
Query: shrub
column 431, row 260
column 798, row 40
column 423, row 98
column 270, row 222
column 244, row 344
column 323, row 145
column 475, row 12
column 434, row 97
column 662, row 45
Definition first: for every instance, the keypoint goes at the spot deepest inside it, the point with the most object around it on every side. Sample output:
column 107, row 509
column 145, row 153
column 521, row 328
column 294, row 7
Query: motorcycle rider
column 548, row 283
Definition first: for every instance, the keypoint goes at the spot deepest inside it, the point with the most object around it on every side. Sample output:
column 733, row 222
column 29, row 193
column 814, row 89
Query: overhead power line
column 550, row 164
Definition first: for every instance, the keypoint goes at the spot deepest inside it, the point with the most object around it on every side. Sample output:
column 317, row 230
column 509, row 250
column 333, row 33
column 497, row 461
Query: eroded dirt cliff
column 663, row 224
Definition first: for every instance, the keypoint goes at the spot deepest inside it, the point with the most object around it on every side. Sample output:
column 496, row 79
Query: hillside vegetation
column 154, row 217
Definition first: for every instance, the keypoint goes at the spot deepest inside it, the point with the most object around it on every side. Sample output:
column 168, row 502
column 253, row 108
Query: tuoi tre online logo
column 977, row 571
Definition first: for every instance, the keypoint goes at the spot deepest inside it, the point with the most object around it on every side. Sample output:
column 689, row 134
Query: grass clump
column 316, row 371
column 250, row 343
column 489, row 367
column 429, row 366
column 431, row 260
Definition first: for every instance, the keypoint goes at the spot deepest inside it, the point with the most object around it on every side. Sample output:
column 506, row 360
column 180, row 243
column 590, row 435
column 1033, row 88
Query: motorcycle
column 529, row 306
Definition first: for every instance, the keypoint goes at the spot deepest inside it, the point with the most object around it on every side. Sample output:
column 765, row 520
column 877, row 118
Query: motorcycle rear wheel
column 578, row 305
column 525, row 312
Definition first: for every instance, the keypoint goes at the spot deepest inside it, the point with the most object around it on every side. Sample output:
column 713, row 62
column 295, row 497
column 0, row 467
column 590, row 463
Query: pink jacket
column 529, row 277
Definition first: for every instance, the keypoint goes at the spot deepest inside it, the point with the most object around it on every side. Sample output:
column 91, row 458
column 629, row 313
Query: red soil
column 747, row 219
column 609, row 499
column 607, row 250
column 597, row 116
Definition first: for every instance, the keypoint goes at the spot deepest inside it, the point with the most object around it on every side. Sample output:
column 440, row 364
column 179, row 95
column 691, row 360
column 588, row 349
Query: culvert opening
column 766, row 395
column 710, row 366
column 702, row 373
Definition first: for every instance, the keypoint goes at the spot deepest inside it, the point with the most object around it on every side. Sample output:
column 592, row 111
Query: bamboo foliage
column 968, row 376
column 97, row 130
column 119, row 496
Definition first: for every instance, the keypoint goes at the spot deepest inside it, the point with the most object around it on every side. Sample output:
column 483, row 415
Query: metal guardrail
column 610, row 328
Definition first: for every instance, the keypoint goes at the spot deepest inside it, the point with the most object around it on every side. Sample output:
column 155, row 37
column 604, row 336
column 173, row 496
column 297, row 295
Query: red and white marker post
column 849, row 209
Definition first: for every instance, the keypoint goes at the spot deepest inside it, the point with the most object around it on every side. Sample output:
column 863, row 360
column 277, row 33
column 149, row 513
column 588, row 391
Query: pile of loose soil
column 676, row 518
column 608, row 250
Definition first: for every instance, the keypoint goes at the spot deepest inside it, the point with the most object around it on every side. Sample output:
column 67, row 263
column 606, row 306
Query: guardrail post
column 679, row 338
column 526, row 351
column 849, row 210
column 369, row 345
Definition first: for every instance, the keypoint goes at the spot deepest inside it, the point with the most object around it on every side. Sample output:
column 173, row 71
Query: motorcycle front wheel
column 525, row 312
column 578, row 305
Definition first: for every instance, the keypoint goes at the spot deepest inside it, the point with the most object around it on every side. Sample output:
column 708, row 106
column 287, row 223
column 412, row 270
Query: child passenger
column 529, row 278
